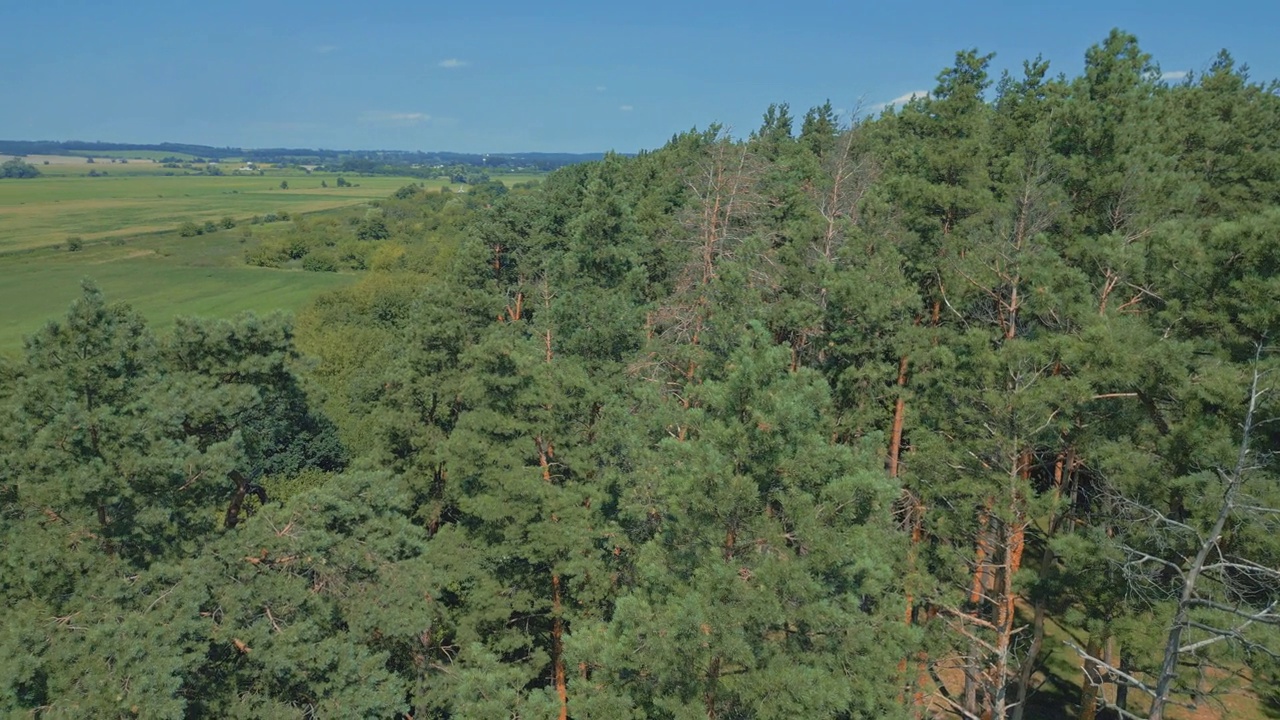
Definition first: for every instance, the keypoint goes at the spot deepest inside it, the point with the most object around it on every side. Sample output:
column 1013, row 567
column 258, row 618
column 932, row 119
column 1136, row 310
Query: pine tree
column 761, row 573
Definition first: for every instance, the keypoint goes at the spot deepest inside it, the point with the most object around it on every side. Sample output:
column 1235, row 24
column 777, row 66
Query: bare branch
column 1266, row 617
column 1129, row 679
column 1220, row 634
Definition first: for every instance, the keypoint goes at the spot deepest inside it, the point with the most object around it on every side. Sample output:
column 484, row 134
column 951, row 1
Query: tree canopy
column 18, row 168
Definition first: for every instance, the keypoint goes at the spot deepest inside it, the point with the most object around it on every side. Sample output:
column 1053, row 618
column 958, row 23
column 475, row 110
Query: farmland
column 163, row 276
column 137, row 198
column 127, row 224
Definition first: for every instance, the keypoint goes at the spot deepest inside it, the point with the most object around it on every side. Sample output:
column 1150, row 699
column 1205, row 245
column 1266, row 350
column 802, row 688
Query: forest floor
column 1058, row 687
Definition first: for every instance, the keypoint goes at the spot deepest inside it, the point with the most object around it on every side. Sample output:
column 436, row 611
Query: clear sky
column 501, row 76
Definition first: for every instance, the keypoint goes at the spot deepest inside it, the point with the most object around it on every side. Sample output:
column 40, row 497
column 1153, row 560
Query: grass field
column 132, row 199
column 162, row 276
column 125, row 163
column 146, row 263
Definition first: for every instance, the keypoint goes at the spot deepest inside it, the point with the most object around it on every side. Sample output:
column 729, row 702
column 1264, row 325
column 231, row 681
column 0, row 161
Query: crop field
column 131, row 249
column 161, row 276
column 134, row 199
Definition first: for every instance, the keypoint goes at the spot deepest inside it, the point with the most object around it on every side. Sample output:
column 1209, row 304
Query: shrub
column 227, row 223
column 373, row 228
column 354, row 255
column 407, row 192
column 75, row 244
column 209, row 227
column 190, row 229
column 263, row 256
column 389, row 256
column 320, row 262
column 295, row 247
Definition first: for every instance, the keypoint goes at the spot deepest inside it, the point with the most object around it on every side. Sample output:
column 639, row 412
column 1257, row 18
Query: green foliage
column 406, row 192
column 16, row 168
column 121, row 453
column 373, row 228
column 320, row 262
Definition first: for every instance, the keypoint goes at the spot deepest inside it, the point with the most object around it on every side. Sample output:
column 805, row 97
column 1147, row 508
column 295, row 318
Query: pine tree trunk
column 1040, row 611
column 546, row 452
column 978, row 595
column 915, row 521
column 899, row 415
column 1091, row 681
column 557, row 648
column 713, row 679
column 237, row 500
column 1033, row 653
column 970, row 700
column 1005, row 613
column 913, row 518
column 981, row 566
column 1122, row 689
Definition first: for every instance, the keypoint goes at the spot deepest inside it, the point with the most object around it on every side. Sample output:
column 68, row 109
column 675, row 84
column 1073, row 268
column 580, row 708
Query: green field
column 148, row 265
column 162, row 276
column 133, row 199
column 128, row 223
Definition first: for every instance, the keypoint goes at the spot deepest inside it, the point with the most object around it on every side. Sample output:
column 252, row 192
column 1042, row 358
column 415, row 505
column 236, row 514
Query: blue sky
column 501, row 76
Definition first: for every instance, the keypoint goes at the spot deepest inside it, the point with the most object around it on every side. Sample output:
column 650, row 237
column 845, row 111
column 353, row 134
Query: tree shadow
column 1270, row 704
column 1054, row 699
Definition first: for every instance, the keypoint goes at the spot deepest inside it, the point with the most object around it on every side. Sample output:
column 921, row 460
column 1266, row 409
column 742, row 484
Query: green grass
column 161, row 276
column 133, row 200
column 131, row 249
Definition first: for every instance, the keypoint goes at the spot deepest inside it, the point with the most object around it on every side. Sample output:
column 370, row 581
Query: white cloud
column 626, row 108
column 1174, row 75
column 325, row 49
column 900, row 100
column 394, row 119
column 601, row 88
column 453, row 63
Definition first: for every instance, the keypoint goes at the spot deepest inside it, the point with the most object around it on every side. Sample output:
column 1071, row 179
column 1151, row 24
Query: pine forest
column 962, row 409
